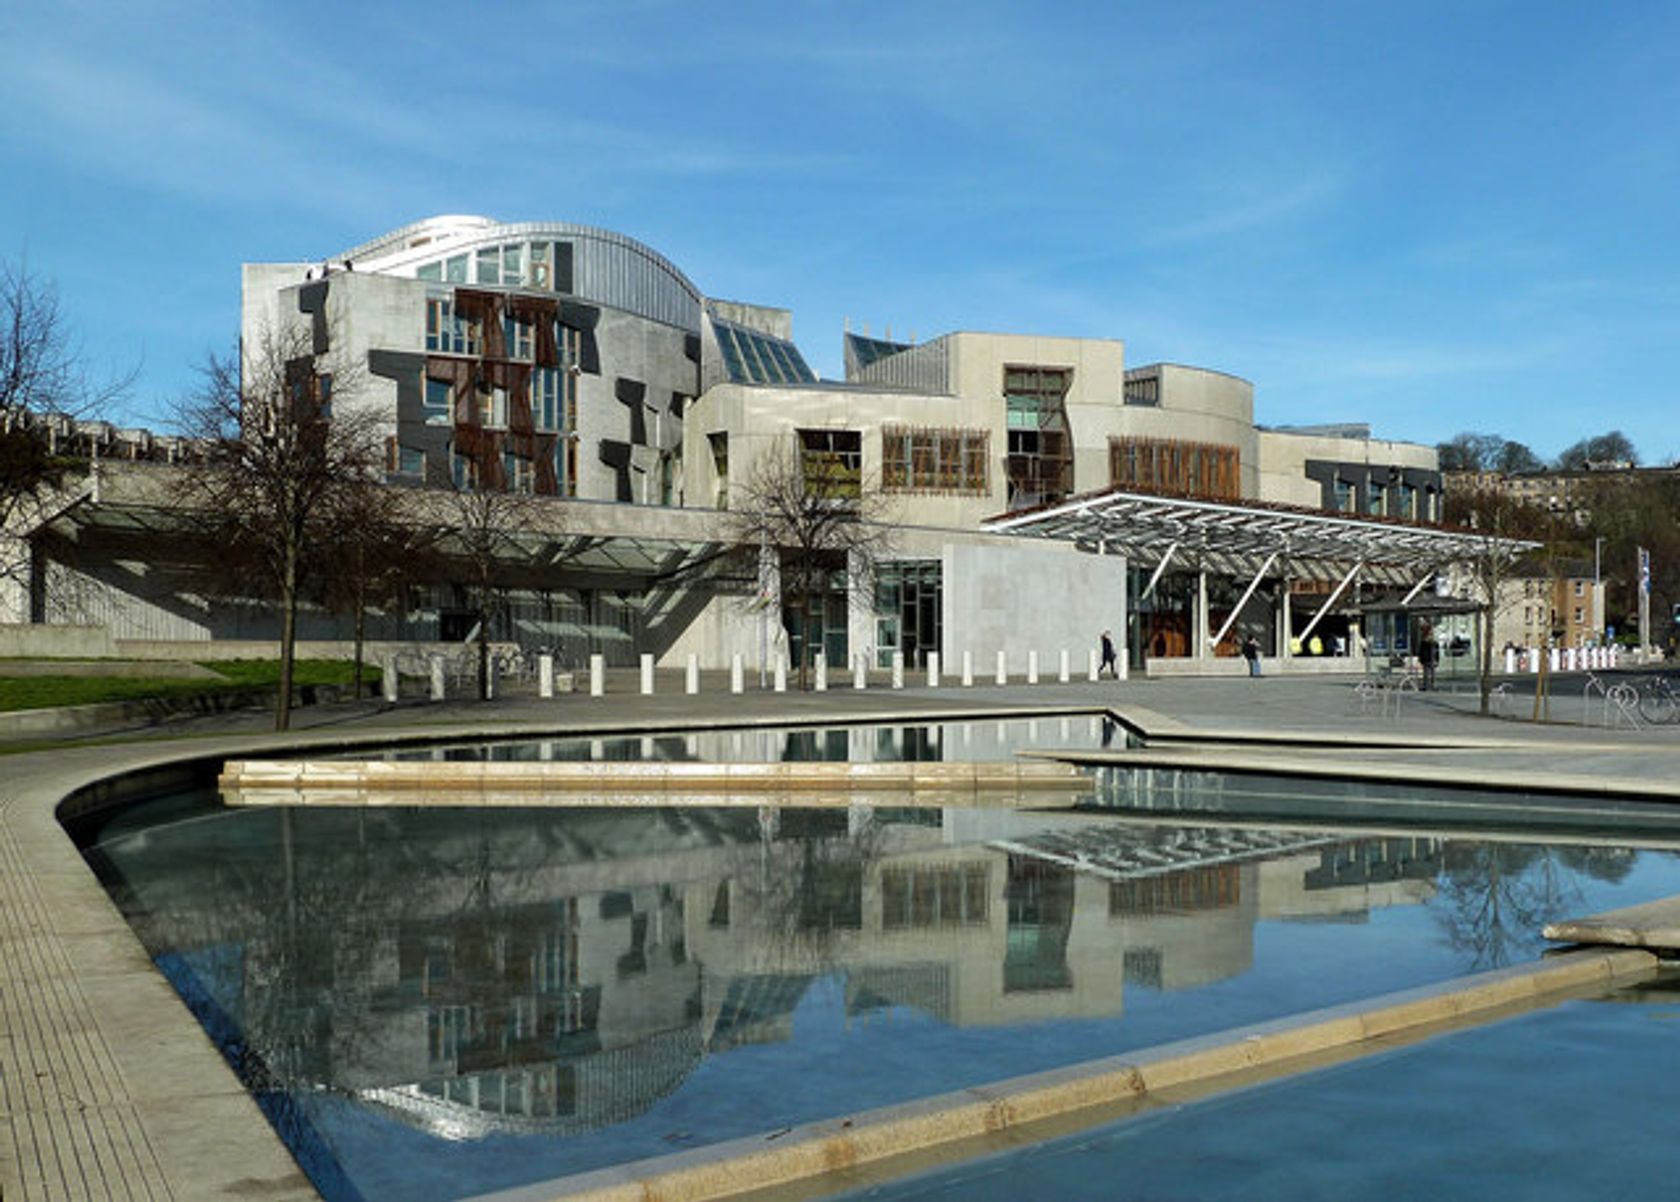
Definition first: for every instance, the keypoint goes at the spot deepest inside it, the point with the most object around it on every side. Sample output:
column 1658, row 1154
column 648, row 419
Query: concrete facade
column 1344, row 469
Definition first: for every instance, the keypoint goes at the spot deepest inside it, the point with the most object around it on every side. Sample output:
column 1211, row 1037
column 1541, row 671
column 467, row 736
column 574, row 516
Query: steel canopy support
column 1247, row 593
column 1155, row 576
column 1328, row 605
column 1416, row 589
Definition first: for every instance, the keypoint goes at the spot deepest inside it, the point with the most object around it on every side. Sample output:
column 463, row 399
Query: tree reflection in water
column 1493, row 899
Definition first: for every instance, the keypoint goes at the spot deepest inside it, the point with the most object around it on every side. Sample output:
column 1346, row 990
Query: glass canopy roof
column 1149, row 528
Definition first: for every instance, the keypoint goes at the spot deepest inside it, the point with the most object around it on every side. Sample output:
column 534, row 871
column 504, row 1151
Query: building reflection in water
column 559, row 971
column 991, row 740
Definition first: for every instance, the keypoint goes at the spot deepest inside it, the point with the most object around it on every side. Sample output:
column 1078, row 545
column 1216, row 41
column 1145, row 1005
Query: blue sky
column 1432, row 217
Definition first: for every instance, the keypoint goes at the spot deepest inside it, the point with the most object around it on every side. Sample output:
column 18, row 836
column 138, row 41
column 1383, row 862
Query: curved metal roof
column 608, row 268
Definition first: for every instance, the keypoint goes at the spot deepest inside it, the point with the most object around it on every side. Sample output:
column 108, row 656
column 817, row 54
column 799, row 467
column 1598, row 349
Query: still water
column 434, row 1003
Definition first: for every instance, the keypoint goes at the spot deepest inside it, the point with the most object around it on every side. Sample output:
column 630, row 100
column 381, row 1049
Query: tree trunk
column 361, row 639
column 361, row 621
column 288, row 639
column 483, row 655
column 1486, row 655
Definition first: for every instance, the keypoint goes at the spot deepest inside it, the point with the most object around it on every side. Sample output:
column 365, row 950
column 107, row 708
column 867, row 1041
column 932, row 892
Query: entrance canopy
column 1241, row 537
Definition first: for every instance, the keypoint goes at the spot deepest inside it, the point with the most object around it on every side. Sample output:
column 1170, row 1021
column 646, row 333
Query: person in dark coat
column 1251, row 652
column 1109, row 659
column 1429, row 654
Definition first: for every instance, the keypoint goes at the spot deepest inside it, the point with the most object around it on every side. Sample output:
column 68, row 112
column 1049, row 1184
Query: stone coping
column 1654, row 925
column 838, row 1148
column 1295, row 758
column 527, row 783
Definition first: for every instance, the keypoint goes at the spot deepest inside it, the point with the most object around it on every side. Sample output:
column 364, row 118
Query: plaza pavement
column 110, row 1090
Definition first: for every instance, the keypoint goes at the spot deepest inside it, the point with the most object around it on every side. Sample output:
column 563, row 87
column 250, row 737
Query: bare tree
column 282, row 449
column 42, row 377
column 814, row 510
column 1505, row 527
column 372, row 545
column 480, row 540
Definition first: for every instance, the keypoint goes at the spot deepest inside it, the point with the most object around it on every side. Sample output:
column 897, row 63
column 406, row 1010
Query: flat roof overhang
column 1239, row 537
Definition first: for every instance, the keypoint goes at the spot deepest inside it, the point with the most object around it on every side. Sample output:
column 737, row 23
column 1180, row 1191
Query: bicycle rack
column 1625, row 698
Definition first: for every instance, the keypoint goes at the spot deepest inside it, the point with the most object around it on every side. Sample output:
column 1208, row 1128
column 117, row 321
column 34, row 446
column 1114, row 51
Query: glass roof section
column 1150, row 527
column 753, row 357
column 866, row 350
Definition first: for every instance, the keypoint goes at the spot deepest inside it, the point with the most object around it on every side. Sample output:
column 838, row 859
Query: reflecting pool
column 1571, row 1102
column 433, row 1003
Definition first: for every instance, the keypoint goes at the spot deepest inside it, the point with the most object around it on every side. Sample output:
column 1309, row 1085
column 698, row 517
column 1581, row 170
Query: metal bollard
column 968, row 669
column 437, row 678
column 781, row 674
column 1032, row 667
column 388, row 679
column 691, row 681
column 1064, row 674
column 545, row 676
column 1002, row 668
column 647, row 675
column 898, row 670
column 860, row 671
column 1091, row 667
column 597, row 675
column 820, row 663
column 735, row 679
column 933, row 669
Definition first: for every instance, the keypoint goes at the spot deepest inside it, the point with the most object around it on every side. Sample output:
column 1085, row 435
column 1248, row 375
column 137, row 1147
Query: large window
column 1168, row 465
column 519, row 473
column 935, row 460
column 516, row 338
column 436, row 402
column 447, row 331
column 832, row 462
column 547, row 411
column 720, row 467
column 1040, row 461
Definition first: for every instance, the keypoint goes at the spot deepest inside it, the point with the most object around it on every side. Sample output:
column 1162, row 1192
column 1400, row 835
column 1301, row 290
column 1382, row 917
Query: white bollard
column 1032, row 667
column 968, row 669
column 647, row 675
column 1510, row 661
column 437, row 678
column 1064, row 674
column 736, row 683
column 691, row 681
column 545, row 676
column 933, row 669
column 1091, row 666
column 1553, row 658
column 898, row 669
column 1569, row 659
column 860, row 671
column 779, row 682
column 597, row 675
column 1533, row 658
column 492, row 679
column 388, row 679
column 1002, row 668
column 821, row 665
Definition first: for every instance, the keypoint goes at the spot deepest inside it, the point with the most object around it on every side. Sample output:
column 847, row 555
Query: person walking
column 1109, row 659
column 1251, row 652
column 1429, row 654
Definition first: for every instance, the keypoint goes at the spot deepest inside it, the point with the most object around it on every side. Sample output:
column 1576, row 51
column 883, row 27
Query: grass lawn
column 46, row 692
